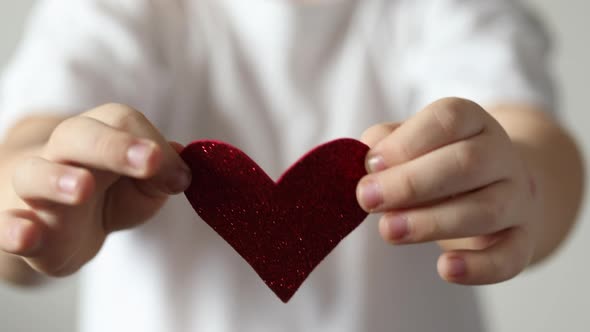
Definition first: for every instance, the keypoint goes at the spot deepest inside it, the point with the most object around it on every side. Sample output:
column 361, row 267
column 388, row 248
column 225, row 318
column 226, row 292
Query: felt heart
column 283, row 229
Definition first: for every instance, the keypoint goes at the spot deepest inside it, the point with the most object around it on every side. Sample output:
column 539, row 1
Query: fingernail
column 370, row 194
column 375, row 164
column 68, row 183
column 456, row 267
column 397, row 227
column 179, row 181
column 138, row 155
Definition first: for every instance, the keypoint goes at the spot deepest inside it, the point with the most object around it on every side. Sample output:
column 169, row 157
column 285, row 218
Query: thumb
column 125, row 195
column 167, row 172
column 176, row 146
column 177, row 180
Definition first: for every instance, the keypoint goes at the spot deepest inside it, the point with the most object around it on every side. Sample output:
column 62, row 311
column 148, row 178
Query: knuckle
column 504, row 268
column 457, row 103
column 124, row 117
column 448, row 118
column 469, row 157
column 373, row 134
column 490, row 214
column 407, row 190
column 371, row 131
column 403, row 150
column 109, row 148
column 61, row 132
column 492, row 210
column 430, row 229
column 452, row 114
column 118, row 108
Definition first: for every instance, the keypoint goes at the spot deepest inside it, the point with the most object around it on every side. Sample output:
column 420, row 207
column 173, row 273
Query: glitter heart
column 283, row 229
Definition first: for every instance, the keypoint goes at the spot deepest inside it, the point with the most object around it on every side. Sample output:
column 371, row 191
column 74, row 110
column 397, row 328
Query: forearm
column 556, row 170
column 24, row 139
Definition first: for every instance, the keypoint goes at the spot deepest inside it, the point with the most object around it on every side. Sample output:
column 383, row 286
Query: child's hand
column 105, row 170
column 451, row 174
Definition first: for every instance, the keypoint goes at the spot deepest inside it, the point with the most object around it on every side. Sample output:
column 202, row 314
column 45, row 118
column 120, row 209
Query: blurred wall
column 549, row 298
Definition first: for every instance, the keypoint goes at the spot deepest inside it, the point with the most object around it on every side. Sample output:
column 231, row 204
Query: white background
column 552, row 297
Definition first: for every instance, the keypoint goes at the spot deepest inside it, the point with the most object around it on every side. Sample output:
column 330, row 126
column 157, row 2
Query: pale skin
column 81, row 178
column 497, row 190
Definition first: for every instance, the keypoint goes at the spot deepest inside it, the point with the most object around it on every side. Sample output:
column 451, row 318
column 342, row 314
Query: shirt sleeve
column 491, row 52
column 76, row 55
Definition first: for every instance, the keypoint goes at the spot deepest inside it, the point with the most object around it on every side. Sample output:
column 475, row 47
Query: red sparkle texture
column 283, row 229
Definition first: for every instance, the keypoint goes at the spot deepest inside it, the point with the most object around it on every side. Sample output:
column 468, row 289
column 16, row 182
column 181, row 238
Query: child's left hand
column 451, row 174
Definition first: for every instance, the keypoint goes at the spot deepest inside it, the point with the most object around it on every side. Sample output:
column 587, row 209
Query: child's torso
column 275, row 79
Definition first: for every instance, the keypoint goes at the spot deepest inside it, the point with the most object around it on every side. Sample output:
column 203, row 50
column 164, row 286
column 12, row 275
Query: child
column 491, row 179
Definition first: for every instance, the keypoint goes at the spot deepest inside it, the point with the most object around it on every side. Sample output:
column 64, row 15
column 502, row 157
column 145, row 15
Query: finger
column 37, row 179
column 451, row 170
column 174, row 173
column 91, row 143
column 473, row 214
column 126, row 218
column 19, row 234
column 441, row 123
column 176, row 146
column 501, row 261
column 376, row 133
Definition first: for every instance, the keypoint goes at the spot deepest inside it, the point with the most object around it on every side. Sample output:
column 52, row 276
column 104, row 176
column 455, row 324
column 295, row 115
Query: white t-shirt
column 275, row 78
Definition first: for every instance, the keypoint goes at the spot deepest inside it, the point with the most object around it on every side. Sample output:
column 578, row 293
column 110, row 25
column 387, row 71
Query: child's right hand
column 104, row 170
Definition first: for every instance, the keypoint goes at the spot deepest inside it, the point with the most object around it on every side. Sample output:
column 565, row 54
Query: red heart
column 283, row 229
